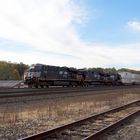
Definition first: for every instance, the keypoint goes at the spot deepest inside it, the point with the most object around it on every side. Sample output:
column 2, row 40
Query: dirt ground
column 28, row 117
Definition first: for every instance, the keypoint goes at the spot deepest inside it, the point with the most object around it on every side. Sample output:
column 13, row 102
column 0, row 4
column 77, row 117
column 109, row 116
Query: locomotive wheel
column 36, row 86
column 41, row 86
column 30, row 85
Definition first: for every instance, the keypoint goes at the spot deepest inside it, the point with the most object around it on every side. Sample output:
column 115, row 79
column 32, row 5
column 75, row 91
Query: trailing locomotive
column 46, row 75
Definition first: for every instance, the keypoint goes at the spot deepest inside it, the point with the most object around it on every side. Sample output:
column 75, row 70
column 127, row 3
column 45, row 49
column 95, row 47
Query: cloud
column 134, row 25
column 48, row 27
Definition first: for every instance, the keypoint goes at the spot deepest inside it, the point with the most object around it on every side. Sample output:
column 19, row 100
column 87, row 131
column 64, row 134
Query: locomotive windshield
column 35, row 68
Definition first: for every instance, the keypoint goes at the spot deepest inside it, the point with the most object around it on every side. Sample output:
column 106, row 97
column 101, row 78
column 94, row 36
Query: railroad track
column 93, row 127
column 65, row 93
column 8, row 93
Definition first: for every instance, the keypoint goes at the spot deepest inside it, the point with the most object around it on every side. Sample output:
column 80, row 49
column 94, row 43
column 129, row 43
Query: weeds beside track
column 92, row 127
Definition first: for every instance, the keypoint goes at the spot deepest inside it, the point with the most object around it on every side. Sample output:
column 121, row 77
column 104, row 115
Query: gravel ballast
column 26, row 117
column 128, row 131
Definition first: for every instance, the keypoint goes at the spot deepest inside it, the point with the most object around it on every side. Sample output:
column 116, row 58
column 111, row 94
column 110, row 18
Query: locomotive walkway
column 93, row 127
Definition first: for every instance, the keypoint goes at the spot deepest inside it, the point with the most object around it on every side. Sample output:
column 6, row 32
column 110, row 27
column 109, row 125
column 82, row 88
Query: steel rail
column 57, row 91
column 68, row 95
column 16, row 90
column 46, row 96
column 46, row 134
column 46, row 92
column 99, row 134
column 9, row 91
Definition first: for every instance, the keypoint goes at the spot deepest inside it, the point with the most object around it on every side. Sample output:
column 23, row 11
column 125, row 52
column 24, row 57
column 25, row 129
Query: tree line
column 12, row 71
column 113, row 70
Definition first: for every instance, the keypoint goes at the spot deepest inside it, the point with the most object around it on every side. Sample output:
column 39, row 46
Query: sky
column 73, row 33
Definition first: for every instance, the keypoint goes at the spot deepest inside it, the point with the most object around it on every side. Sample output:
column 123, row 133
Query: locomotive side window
column 66, row 72
column 60, row 72
column 44, row 68
column 37, row 68
column 45, row 71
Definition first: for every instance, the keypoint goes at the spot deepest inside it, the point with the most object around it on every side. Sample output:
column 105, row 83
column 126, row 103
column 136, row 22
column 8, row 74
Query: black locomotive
column 46, row 75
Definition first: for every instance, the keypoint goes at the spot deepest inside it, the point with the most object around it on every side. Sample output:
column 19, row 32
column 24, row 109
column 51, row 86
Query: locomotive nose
column 30, row 74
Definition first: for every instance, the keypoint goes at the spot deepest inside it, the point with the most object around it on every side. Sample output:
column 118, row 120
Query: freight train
column 40, row 75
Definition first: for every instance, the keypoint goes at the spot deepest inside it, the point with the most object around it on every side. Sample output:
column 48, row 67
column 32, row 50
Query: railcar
column 91, row 78
column 128, row 78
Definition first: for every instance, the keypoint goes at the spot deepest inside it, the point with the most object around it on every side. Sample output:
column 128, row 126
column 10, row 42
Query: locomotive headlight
column 31, row 74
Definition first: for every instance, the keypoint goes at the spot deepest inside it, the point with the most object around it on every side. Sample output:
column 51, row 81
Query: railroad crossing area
column 12, row 84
